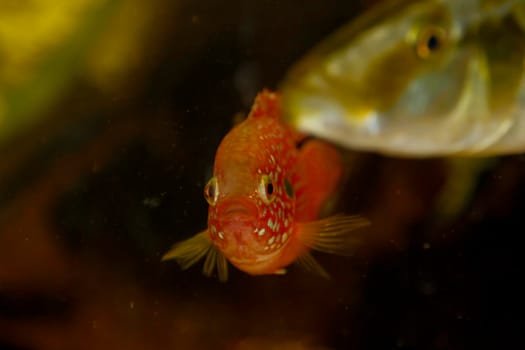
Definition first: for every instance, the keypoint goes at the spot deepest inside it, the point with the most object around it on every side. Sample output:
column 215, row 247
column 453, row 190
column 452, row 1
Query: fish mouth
column 238, row 210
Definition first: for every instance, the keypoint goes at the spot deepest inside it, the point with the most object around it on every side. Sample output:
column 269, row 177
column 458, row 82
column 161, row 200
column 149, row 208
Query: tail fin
column 320, row 170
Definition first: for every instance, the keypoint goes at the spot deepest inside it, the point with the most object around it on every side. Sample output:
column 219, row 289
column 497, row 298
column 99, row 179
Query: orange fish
column 264, row 200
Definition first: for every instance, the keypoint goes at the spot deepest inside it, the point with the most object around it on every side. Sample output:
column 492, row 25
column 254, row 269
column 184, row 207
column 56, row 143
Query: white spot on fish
column 284, row 237
column 270, row 241
column 272, row 159
column 261, row 232
column 285, row 222
column 270, row 223
column 221, row 235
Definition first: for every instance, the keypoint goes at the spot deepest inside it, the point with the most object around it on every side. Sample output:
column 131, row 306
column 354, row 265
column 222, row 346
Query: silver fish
column 417, row 78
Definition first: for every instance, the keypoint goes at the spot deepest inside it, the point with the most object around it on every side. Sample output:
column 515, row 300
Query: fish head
column 251, row 229
column 389, row 78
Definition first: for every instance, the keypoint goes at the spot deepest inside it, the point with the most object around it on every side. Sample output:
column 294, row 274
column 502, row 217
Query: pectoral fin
column 333, row 235
column 190, row 251
column 308, row 263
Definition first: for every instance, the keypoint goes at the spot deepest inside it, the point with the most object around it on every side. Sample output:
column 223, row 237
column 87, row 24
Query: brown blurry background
column 110, row 114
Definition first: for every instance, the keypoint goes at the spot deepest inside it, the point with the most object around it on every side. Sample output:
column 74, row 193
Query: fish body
column 417, row 78
column 264, row 199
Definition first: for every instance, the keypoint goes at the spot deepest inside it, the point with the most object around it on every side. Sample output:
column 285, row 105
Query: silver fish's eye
column 211, row 191
column 266, row 189
column 430, row 40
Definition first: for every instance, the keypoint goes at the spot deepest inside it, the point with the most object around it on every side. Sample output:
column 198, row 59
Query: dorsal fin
column 266, row 104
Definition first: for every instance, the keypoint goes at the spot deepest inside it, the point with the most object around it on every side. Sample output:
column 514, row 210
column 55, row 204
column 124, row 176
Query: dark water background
column 91, row 198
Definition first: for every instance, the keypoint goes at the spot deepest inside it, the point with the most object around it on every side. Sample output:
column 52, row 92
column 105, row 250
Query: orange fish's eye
column 266, row 189
column 211, row 191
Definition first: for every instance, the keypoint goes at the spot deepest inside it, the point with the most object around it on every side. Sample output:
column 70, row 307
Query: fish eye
column 211, row 191
column 266, row 189
column 288, row 188
column 430, row 40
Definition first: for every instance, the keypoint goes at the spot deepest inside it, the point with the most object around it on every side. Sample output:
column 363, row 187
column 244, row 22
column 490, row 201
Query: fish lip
column 264, row 265
column 251, row 261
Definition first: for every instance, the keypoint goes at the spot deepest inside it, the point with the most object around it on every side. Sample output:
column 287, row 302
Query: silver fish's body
column 418, row 78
